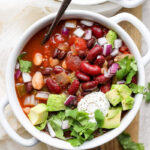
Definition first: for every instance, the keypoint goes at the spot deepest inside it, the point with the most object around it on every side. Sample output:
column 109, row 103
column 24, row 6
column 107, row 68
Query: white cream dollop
column 93, row 101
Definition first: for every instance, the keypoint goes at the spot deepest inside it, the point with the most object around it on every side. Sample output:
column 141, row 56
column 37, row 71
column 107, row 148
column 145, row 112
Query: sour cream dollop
column 93, row 101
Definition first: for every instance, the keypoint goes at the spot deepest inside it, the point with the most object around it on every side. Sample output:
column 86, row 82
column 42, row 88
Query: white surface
column 104, row 21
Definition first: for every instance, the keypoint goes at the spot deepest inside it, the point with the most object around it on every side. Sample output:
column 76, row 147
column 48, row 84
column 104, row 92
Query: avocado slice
column 38, row 114
column 56, row 102
column 123, row 89
column 127, row 103
column 112, row 119
column 114, row 97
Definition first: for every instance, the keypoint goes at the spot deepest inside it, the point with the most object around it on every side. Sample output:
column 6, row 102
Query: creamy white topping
column 93, row 101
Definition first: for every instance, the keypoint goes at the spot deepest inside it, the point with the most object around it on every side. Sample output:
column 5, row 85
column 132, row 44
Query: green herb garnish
column 127, row 143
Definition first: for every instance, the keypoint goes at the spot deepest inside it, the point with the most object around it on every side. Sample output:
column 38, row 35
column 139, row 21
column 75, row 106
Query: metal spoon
column 60, row 13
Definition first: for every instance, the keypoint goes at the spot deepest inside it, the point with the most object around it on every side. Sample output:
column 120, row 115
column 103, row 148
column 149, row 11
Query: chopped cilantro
column 24, row 64
column 127, row 143
column 136, row 88
column 99, row 118
column 128, row 69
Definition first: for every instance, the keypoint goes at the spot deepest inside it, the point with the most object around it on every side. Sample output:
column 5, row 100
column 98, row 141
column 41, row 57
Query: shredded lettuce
column 127, row 143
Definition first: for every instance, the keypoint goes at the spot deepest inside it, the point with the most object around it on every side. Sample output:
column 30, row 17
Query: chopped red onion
column 114, row 68
column 17, row 74
column 102, row 41
column 88, row 34
column 79, row 32
column 87, row 23
column 117, row 43
column 51, row 131
column 26, row 77
column 65, row 124
column 65, row 31
column 17, row 66
column 69, row 99
column 111, row 71
column 107, row 49
column 42, row 95
column 121, row 82
column 71, row 24
column 30, row 101
column 114, row 52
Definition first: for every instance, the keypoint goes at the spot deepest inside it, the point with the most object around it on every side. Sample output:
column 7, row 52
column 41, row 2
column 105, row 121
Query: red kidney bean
column 134, row 80
column 82, row 54
column 105, row 30
column 29, row 87
column 100, row 60
column 105, row 88
column 92, row 54
column 108, row 58
column 47, row 71
column 73, row 88
column 92, row 70
column 101, row 79
column 57, row 69
column 97, row 31
column 91, row 42
column 53, row 86
column 56, row 52
column 89, row 85
column 82, row 76
column 61, row 55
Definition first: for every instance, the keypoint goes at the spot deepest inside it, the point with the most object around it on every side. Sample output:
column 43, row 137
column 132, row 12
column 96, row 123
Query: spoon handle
column 61, row 11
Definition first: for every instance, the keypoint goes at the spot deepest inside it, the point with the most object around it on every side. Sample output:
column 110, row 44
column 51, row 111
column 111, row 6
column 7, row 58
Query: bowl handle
column 10, row 131
column 140, row 26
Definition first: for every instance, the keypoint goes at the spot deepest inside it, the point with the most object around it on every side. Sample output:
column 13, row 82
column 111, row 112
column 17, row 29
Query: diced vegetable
column 111, row 37
column 17, row 66
column 107, row 49
column 71, row 24
column 70, row 99
column 30, row 101
column 26, row 77
column 65, row 124
column 65, row 31
column 114, row 52
column 63, row 46
column 38, row 114
column 87, row 23
column 20, row 89
column 56, row 102
column 17, row 74
column 41, row 126
column 62, row 78
column 102, row 41
column 117, row 43
column 78, row 32
column 25, row 65
column 88, row 34
column 42, row 95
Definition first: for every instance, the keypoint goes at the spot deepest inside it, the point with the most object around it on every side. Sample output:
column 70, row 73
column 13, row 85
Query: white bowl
column 12, row 97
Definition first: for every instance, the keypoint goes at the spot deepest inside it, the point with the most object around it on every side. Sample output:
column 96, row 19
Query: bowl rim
column 10, row 85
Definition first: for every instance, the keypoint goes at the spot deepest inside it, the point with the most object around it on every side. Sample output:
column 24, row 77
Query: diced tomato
column 123, row 49
column 80, row 44
column 72, row 39
column 73, row 62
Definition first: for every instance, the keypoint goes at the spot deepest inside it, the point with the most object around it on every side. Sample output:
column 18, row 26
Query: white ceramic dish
column 11, row 97
column 124, row 3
